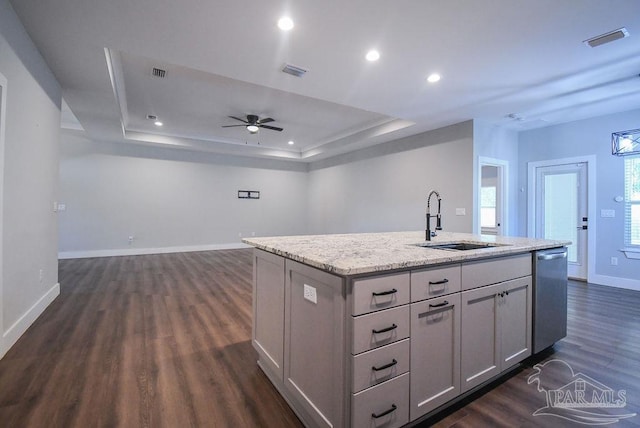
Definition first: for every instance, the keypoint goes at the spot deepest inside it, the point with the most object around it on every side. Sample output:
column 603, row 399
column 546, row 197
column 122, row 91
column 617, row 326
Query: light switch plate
column 608, row 213
column 310, row 294
column 461, row 211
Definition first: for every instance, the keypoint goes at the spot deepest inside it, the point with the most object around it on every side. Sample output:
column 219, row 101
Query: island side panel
column 268, row 311
column 314, row 359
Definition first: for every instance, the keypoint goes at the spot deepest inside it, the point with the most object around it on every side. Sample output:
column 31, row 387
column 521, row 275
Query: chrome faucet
column 429, row 233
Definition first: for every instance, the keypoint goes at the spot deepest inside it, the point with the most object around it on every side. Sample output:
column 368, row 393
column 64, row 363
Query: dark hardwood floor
column 164, row 341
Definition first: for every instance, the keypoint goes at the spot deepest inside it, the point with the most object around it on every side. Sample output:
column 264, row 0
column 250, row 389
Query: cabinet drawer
column 380, row 292
column 379, row 365
column 492, row 271
column 429, row 283
column 380, row 328
column 385, row 405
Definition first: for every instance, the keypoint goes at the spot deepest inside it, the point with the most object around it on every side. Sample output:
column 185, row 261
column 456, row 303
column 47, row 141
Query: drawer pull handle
column 385, row 293
column 444, row 281
column 439, row 305
column 386, row 366
column 384, row 330
column 385, row 413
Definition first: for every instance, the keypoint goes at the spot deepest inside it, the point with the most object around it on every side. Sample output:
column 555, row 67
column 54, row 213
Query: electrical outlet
column 309, row 293
column 131, row 238
column 614, row 261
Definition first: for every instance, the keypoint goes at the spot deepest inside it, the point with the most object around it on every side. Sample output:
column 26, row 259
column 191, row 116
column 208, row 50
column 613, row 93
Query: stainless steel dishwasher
column 549, row 297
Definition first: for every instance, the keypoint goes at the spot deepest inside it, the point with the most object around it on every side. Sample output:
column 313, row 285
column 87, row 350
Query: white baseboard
column 143, row 251
column 614, row 281
column 13, row 333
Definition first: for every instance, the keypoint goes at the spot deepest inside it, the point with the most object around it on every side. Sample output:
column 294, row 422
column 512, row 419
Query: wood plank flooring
column 164, row 341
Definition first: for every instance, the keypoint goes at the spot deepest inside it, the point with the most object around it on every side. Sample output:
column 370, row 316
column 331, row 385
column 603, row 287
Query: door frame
column 3, row 116
column 503, row 171
column 590, row 161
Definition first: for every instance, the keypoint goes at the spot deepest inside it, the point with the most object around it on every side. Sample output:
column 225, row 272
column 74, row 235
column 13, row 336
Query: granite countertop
column 361, row 253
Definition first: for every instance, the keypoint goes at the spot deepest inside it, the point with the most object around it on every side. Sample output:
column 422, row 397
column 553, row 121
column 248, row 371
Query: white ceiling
column 496, row 58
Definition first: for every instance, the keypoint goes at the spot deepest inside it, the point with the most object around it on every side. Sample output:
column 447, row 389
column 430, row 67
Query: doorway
column 492, row 197
column 559, row 208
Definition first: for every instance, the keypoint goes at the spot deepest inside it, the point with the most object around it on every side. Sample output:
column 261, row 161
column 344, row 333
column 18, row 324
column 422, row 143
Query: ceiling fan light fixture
column 252, row 128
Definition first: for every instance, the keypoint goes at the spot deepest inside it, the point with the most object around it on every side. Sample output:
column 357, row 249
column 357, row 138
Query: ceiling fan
column 254, row 123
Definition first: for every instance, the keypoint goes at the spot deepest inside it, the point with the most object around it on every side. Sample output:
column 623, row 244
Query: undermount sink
column 460, row 246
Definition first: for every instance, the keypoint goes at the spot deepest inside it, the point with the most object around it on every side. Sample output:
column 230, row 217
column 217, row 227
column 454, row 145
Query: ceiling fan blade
column 237, row 118
column 266, row 120
column 231, row 126
column 273, row 128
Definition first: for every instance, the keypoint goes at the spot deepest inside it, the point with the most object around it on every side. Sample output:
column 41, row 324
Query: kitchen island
column 385, row 329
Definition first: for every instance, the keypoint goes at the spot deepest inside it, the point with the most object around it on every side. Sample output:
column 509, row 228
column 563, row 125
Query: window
column 632, row 200
column 488, row 206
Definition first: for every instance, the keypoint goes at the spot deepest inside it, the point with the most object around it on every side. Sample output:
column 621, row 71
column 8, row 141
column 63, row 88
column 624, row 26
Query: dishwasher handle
column 552, row 256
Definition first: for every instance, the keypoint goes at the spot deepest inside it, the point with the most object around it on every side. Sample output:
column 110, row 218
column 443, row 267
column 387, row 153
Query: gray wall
column 30, row 177
column 385, row 187
column 582, row 138
column 171, row 200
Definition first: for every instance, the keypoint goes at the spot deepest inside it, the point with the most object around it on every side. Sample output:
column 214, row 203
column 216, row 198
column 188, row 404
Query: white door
column 561, row 210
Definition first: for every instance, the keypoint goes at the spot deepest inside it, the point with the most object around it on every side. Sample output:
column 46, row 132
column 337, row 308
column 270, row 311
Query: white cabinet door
column 515, row 317
column 480, row 336
column 496, row 329
column 268, row 311
column 435, row 353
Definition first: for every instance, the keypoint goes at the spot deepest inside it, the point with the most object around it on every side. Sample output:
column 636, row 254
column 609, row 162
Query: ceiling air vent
column 294, row 70
column 159, row 73
column 611, row 36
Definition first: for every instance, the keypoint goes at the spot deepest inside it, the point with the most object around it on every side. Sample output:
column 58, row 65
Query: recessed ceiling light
column 285, row 23
column 433, row 78
column 372, row 55
column 291, row 143
column 157, row 123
